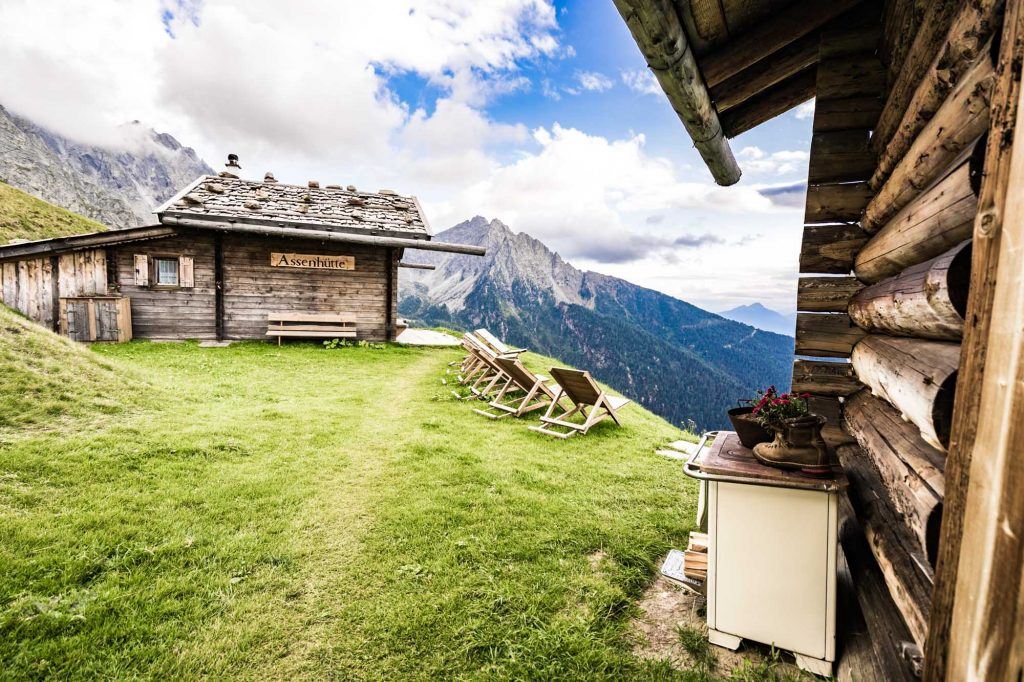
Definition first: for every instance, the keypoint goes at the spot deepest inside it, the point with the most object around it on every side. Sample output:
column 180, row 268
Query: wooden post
column 389, row 263
column 55, row 291
column 658, row 32
column 218, row 284
column 977, row 624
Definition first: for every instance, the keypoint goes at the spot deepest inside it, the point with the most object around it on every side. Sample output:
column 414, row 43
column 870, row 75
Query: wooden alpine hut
column 229, row 259
column 910, row 333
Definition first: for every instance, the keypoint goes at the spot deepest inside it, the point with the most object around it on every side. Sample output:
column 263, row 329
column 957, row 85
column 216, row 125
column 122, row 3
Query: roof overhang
column 58, row 245
column 324, row 236
column 734, row 82
column 173, row 226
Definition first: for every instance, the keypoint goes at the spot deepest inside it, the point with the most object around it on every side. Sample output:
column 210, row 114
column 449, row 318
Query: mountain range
column 756, row 315
column 679, row 361
column 118, row 186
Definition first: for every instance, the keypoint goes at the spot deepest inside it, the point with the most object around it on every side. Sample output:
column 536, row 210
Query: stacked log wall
column 885, row 270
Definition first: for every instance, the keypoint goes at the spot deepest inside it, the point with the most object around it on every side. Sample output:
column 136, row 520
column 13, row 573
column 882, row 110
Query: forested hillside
column 678, row 360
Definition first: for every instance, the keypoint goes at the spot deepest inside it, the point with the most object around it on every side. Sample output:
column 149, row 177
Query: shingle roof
column 332, row 209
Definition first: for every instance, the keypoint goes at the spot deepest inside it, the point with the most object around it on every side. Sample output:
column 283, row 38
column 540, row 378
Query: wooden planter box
column 96, row 318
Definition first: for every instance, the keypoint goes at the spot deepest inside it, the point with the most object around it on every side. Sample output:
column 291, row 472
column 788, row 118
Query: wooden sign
column 306, row 260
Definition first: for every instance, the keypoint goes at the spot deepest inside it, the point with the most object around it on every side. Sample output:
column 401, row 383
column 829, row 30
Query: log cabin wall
column 896, row 155
column 34, row 286
column 186, row 311
column 251, row 287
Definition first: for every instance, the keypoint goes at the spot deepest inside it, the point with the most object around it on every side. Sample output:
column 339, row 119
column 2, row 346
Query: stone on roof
column 228, row 199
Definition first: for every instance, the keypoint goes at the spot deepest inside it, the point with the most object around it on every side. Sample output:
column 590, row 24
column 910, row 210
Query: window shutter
column 186, row 272
column 141, row 270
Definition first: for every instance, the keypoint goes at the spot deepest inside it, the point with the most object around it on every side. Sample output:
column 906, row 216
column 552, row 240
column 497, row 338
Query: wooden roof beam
column 657, row 30
column 766, row 73
column 767, row 105
column 788, row 26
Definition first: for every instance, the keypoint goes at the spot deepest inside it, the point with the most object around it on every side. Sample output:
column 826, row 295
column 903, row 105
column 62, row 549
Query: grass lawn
column 22, row 216
column 297, row 512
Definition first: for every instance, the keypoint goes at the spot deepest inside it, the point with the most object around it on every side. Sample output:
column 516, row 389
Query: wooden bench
column 311, row 325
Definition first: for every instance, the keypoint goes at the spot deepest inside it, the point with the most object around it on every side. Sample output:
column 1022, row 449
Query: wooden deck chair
column 499, row 346
column 536, row 392
column 487, row 375
column 583, row 391
column 472, row 363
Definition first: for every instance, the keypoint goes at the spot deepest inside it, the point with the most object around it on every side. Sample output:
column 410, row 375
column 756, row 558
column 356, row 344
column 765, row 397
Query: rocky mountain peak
column 118, row 186
column 513, row 260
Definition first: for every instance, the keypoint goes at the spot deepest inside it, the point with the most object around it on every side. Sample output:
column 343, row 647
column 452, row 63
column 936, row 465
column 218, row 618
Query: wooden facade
column 911, row 289
column 229, row 255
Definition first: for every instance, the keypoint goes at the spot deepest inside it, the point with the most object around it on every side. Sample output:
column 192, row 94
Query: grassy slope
column 48, row 380
column 22, row 216
column 299, row 512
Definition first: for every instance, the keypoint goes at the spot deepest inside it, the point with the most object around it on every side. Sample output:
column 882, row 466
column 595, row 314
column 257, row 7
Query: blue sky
column 541, row 115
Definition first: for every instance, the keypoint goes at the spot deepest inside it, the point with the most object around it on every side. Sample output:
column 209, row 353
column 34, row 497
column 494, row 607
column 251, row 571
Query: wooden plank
column 766, row 73
column 900, row 21
column 824, row 378
column 937, row 220
column 337, row 333
column 928, row 41
column 315, row 328
column 795, row 90
column 840, row 156
column 887, row 630
column 959, row 122
column 910, row 469
column 768, row 37
column 982, row 536
column 826, row 294
column 830, row 335
column 898, row 553
column 846, row 113
column 830, row 249
column 340, row 318
column 859, row 75
column 968, row 35
column 924, row 301
column 836, row 202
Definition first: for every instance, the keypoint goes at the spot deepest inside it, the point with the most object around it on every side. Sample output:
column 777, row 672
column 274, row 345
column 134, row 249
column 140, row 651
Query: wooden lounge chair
column 485, row 375
column 496, row 344
column 536, row 392
column 583, row 391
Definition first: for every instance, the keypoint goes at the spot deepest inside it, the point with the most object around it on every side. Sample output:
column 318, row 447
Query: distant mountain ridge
column 680, row 361
column 756, row 315
column 118, row 187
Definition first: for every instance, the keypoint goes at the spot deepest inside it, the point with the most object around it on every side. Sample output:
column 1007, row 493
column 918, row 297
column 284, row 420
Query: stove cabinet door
column 774, row 566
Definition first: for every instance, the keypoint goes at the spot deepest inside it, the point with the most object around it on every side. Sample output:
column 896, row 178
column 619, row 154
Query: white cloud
column 305, row 93
column 805, row 110
column 593, row 81
column 756, row 161
column 642, row 81
column 590, row 197
column 260, row 77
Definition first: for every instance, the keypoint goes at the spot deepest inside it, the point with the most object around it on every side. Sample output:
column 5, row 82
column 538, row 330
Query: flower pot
column 797, row 445
column 747, row 428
